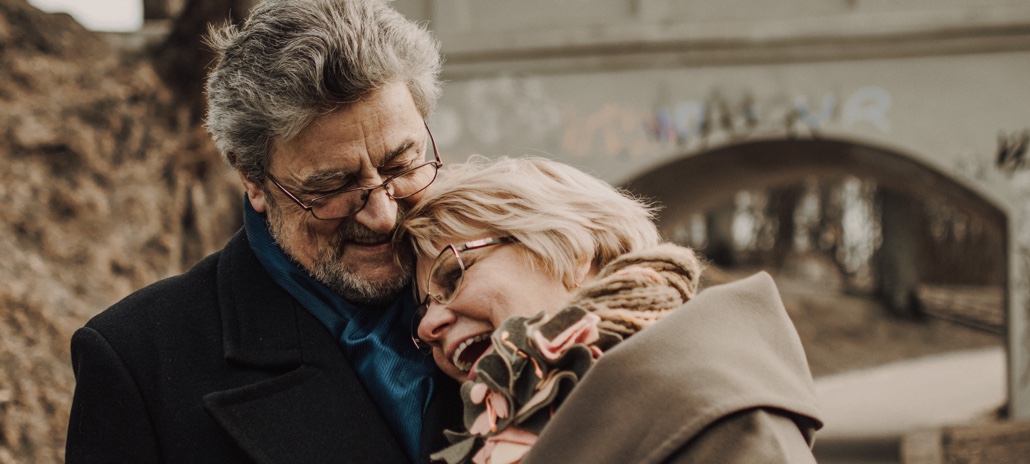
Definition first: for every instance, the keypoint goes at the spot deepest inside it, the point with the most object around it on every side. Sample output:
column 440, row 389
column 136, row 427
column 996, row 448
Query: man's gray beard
column 343, row 279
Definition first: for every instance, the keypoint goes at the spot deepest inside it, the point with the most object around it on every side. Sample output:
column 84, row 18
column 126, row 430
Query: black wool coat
column 222, row 365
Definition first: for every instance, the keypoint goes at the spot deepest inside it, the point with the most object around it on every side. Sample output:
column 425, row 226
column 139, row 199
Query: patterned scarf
column 535, row 362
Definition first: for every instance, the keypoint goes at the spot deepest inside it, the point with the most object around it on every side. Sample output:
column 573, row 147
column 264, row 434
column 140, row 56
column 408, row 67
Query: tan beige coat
column 722, row 379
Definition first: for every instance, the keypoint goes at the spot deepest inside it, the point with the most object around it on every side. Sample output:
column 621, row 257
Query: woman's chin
column 451, row 370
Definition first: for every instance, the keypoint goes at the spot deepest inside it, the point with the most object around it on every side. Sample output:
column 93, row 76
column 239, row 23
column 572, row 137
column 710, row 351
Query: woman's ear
column 584, row 271
column 254, row 192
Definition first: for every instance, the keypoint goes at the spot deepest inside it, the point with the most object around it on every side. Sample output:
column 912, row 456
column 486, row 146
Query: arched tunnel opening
column 853, row 224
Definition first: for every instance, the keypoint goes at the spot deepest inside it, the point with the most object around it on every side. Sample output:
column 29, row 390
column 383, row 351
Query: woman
column 530, row 270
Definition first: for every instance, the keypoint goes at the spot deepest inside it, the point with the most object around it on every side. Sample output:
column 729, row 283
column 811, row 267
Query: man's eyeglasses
column 348, row 202
column 445, row 277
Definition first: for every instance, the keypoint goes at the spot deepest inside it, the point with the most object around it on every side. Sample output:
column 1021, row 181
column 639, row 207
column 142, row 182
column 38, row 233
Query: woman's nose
column 435, row 323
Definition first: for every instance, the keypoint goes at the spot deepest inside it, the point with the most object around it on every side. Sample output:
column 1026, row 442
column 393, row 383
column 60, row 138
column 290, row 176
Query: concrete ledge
column 856, row 450
column 974, row 444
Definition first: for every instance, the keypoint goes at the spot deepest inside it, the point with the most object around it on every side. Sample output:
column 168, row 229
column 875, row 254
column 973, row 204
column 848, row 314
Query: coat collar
column 732, row 348
column 305, row 403
column 259, row 319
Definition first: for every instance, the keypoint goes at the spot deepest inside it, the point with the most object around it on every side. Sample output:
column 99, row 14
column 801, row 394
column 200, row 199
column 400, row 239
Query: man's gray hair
column 293, row 60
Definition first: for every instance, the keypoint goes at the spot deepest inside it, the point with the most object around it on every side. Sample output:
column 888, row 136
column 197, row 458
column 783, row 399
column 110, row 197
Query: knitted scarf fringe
column 638, row 288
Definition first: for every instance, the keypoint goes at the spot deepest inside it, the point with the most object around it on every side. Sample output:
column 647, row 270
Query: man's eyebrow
column 398, row 152
column 327, row 175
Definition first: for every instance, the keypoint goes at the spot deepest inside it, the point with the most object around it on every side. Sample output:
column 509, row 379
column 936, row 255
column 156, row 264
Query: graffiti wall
column 946, row 110
column 507, row 109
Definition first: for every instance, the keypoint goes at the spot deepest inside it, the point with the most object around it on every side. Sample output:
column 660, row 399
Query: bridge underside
column 929, row 233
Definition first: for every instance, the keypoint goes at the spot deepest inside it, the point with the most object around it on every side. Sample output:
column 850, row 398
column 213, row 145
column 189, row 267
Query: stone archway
column 906, row 258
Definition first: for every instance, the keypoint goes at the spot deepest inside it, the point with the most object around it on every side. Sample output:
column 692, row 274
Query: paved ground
column 867, row 411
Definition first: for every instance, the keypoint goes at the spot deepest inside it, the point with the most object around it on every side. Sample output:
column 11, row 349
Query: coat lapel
column 304, row 402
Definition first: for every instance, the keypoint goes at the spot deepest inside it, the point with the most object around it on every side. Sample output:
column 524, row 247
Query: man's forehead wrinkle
column 375, row 147
column 348, row 161
column 384, row 152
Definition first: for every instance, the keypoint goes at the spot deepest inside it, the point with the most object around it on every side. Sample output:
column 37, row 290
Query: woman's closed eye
column 446, row 278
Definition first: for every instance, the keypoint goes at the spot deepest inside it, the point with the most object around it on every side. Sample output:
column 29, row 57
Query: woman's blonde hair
column 558, row 213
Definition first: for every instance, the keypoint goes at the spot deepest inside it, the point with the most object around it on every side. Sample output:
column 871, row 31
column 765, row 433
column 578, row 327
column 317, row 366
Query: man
column 290, row 344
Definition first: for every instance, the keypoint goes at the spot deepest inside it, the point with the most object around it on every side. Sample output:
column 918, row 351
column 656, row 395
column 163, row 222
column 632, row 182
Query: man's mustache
column 354, row 232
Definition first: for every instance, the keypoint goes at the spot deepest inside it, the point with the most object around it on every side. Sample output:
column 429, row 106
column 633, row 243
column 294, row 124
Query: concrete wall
column 947, row 111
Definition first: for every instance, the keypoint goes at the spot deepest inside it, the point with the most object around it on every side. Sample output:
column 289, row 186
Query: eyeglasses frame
column 423, row 306
column 310, row 207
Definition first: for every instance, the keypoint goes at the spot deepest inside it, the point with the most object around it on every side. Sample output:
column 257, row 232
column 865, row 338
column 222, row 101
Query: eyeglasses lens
column 399, row 187
column 413, row 181
column 340, row 205
column 445, row 276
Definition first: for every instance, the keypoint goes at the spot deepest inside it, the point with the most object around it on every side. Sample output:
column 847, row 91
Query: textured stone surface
column 103, row 189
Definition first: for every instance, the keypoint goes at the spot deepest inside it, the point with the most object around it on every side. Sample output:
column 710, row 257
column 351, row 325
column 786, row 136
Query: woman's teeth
column 466, row 366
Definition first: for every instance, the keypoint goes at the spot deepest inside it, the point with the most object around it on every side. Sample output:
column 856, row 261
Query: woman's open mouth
column 469, row 351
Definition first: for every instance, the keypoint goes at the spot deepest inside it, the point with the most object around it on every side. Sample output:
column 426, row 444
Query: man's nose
column 380, row 212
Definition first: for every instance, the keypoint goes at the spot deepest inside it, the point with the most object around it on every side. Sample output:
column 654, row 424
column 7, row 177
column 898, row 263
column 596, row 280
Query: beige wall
column 542, row 34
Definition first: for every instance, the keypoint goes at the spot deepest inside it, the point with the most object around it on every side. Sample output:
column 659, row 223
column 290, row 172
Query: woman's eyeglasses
column 445, row 277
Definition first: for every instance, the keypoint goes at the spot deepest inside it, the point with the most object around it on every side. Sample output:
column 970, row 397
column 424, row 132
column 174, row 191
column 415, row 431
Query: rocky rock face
column 105, row 187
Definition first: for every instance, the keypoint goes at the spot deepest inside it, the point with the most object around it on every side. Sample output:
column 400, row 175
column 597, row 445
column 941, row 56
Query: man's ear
column 254, row 192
